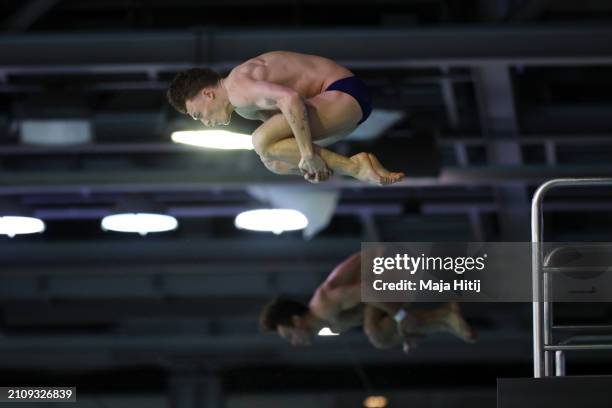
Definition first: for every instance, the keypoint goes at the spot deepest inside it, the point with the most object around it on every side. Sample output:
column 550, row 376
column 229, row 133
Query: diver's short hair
column 280, row 311
column 187, row 84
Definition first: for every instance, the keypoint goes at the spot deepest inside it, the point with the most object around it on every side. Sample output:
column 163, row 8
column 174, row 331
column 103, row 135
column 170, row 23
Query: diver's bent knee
column 378, row 339
column 374, row 337
column 272, row 165
column 380, row 342
column 260, row 145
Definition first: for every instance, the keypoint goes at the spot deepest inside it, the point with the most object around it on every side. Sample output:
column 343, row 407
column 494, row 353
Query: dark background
column 498, row 97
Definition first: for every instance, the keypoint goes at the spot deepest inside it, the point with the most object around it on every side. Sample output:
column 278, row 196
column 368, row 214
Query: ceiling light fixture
column 16, row 225
column 141, row 223
column 272, row 220
column 326, row 331
column 214, row 139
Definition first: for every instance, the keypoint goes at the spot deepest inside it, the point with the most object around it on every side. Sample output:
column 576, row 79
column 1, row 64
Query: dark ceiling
column 498, row 96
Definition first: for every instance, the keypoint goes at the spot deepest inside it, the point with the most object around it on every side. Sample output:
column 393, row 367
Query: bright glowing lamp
column 272, row 220
column 326, row 331
column 214, row 139
column 375, row 401
column 17, row 225
column 141, row 223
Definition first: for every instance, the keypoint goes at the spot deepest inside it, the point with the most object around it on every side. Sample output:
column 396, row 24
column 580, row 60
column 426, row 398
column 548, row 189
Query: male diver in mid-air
column 300, row 98
column 337, row 304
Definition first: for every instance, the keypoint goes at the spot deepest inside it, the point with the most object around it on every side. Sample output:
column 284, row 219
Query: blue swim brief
column 358, row 90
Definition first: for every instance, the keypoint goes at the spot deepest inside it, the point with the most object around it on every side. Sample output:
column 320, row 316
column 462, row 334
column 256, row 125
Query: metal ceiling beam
column 86, row 351
column 202, row 279
column 90, row 253
column 262, row 279
column 591, row 139
column 203, row 211
column 367, row 48
column 499, row 124
column 147, row 148
column 147, row 181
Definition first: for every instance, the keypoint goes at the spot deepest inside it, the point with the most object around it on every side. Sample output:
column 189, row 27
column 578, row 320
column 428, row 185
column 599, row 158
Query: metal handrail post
column 542, row 308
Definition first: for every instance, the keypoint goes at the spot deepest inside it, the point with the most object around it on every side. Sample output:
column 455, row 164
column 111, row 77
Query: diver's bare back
column 308, row 75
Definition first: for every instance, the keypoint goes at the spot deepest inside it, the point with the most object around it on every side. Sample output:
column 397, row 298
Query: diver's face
column 209, row 108
column 297, row 336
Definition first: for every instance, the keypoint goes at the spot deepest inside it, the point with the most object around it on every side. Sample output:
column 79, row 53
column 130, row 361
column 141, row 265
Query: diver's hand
column 314, row 169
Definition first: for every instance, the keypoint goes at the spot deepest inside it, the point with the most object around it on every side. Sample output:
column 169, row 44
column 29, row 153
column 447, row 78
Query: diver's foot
column 458, row 325
column 366, row 171
column 378, row 167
